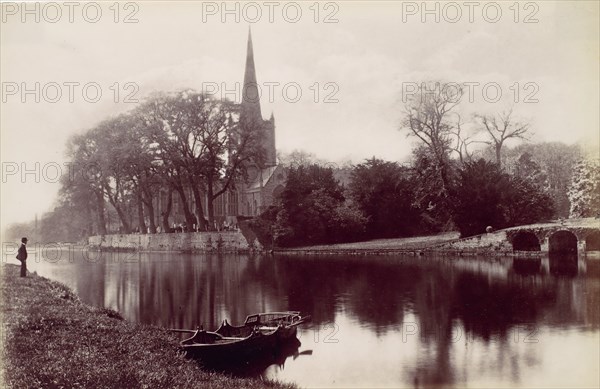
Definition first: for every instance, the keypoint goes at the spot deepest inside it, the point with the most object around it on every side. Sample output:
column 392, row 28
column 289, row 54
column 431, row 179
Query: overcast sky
column 547, row 70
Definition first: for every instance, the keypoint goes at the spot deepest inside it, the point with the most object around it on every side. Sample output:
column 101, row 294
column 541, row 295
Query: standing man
column 22, row 256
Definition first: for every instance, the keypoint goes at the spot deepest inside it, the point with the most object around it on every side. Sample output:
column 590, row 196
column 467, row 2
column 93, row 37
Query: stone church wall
column 225, row 241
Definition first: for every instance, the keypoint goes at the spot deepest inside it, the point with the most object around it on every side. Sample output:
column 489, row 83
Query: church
column 254, row 195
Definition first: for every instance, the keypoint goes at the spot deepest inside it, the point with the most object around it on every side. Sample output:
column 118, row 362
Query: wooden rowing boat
column 214, row 347
column 260, row 332
column 286, row 321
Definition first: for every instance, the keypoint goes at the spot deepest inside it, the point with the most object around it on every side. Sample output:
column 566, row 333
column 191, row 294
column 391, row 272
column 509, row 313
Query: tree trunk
column 121, row 213
column 199, row 210
column 140, row 210
column 189, row 216
column 101, row 218
column 150, row 210
column 122, row 217
column 89, row 225
column 498, row 154
column 209, row 206
column 147, row 198
column 167, row 212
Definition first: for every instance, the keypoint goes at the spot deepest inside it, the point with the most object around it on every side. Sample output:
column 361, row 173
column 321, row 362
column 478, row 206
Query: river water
column 386, row 321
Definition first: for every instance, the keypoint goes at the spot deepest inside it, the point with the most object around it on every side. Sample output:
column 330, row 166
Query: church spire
column 250, row 115
column 250, row 91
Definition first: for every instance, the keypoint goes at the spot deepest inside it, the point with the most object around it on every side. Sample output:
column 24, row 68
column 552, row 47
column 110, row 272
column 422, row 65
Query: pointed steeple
column 250, row 91
column 250, row 115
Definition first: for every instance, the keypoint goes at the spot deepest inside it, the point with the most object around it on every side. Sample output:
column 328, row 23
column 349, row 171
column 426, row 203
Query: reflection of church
column 252, row 196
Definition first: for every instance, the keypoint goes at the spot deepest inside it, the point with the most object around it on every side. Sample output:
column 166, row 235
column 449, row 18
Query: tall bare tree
column 428, row 117
column 463, row 141
column 501, row 128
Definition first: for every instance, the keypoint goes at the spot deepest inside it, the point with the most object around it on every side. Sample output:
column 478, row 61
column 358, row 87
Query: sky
column 333, row 74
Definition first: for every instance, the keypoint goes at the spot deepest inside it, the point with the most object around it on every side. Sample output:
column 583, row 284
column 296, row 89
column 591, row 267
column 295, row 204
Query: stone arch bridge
column 573, row 235
column 563, row 236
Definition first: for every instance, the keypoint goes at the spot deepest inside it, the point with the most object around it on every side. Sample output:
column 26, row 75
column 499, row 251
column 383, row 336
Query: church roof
column 262, row 178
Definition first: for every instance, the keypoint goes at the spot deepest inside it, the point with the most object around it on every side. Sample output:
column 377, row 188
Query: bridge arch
column 525, row 241
column 592, row 241
column 562, row 241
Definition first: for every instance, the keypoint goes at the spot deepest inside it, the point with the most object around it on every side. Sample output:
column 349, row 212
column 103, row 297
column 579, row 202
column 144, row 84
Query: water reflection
column 273, row 359
column 388, row 321
column 564, row 264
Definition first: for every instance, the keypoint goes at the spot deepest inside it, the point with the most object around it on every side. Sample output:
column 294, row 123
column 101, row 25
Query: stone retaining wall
column 495, row 241
column 225, row 241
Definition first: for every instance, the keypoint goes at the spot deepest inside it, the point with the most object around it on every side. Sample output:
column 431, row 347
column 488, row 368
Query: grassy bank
column 51, row 339
column 409, row 243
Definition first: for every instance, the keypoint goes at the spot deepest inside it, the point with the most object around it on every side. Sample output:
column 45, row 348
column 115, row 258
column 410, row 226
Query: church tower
column 250, row 114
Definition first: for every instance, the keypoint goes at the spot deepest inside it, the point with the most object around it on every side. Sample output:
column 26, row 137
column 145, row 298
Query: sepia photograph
column 300, row 194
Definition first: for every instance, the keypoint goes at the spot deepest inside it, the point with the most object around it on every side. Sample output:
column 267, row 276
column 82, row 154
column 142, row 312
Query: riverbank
column 580, row 235
column 411, row 245
column 50, row 338
column 242, row 241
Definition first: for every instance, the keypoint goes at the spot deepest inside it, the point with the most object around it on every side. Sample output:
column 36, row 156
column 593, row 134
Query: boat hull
column 231, row 349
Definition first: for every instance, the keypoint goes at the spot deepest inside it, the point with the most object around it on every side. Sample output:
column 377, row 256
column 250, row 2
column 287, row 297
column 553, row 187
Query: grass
column 429, row 241
column 51, row 339
column 415, row 242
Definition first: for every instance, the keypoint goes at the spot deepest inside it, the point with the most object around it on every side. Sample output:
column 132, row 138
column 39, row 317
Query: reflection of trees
column 189, row 290
column 375, row 293
column 489, row 298
column 310, row 286
column 490, row 304
column 481, row 299
column 433, row 296
column 492, row 307
column 379, row 294
column 90, row 281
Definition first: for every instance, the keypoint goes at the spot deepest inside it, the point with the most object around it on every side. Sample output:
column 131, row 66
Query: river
column 387, row 321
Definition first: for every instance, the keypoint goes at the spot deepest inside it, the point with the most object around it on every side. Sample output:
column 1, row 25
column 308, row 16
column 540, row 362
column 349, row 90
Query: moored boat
column 286, row 321
column 260, row 332
column 212, row 347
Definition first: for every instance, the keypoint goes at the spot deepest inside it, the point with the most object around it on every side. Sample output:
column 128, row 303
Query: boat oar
column 305, row 319
column 305, row 352
column 178, row 330
column 297, row 323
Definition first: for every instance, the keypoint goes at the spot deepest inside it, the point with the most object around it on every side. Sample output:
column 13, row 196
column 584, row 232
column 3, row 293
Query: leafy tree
column 527, row 169
column 201, row 145
column 487, row 196
column 313, row 209
column 383, row 191
column 15, row 231
column 526, row 202
column 556, row 162
column 584, row 191
column 66, row 223
column 430, row 194
column 114, row 156
column 82, row 187
column 479, row 197
column 297, row 158
column 176, row 148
